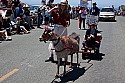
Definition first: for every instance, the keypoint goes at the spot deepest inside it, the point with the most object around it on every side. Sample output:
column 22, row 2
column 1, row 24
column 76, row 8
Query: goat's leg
column 58, row 65
column 65, row 66
column 4, row 35
column 70, row 66
column 77, row 60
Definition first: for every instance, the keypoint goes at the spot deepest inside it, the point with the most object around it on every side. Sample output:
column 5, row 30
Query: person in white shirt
column 82, row 16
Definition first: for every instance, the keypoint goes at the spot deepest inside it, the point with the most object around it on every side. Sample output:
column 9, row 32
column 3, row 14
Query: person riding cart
column 90, row 36
column 92, row 40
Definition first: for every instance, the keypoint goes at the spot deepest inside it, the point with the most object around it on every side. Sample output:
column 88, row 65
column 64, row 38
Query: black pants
column 80, row 22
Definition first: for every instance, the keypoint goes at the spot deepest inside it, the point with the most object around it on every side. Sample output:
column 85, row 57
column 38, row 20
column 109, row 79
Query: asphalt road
column 22, row 60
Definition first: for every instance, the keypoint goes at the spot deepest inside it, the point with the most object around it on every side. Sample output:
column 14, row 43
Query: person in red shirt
column 61, row 19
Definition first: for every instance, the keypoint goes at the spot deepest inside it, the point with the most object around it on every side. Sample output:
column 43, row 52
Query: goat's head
column 47, row 35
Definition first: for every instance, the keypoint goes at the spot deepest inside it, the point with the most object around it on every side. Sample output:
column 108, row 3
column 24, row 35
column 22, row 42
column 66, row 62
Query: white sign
column 91, row 19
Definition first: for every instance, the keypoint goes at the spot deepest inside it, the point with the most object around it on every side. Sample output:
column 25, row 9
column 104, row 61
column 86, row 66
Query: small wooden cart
column 94, row 48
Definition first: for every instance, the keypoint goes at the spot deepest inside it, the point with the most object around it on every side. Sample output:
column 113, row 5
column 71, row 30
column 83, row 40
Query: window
column 107, row 10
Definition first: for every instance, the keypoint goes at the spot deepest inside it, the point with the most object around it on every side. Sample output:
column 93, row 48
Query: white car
column 107, row 13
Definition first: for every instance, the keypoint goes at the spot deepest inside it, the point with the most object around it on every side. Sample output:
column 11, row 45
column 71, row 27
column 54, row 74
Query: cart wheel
column 97, row 51
column 84, row 55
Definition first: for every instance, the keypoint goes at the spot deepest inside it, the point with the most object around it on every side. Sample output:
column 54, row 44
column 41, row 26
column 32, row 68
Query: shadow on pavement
column 93, row 56
column 72, row 75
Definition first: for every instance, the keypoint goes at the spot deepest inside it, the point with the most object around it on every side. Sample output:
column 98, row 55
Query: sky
column 100, row 3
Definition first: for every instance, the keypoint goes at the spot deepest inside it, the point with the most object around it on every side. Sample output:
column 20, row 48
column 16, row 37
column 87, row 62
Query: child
column 18, row 25
column 90, row 36
column 19, row 28
column 50, row 47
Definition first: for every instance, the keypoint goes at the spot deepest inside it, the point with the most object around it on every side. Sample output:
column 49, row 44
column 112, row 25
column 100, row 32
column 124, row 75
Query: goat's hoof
column 64, row 74
column 57, row 76
column 78, row 65
column 70, row 66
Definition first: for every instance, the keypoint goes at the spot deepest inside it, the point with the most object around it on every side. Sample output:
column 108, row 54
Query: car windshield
column 107, row 10
column 9, row 12
column 34, row 7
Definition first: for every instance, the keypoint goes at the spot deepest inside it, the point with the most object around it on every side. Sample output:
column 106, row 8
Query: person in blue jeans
column 39, row 18
column 95, row 11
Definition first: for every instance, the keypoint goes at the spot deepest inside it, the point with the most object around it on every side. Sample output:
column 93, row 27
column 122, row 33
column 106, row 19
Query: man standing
column 38, row 18
column 94, row 10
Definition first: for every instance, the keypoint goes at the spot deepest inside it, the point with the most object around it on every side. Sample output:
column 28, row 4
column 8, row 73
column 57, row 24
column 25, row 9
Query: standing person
column 19, row 10
column 43, row 15
column 94, row 10
column 1, row 22
column 38, row 17
column 61, row 18
column 47, row 15
column 82, row 17
column 27, row 16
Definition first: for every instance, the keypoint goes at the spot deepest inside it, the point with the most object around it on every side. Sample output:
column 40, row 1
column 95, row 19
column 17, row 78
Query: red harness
column 67, row 47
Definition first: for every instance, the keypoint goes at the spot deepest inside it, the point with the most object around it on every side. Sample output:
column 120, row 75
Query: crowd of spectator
column 20, row 20
column 16, row 19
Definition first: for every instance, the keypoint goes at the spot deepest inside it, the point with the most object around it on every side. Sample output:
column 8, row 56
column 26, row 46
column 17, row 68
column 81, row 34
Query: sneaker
column 50, row 59
column 84, row 28
column 27, row 32
column 79, row 28
column 8, row 38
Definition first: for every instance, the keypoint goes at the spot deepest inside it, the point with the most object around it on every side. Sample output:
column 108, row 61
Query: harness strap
column 57, row 42
column 70, row 48
column 66, row 47
column 60, row 50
